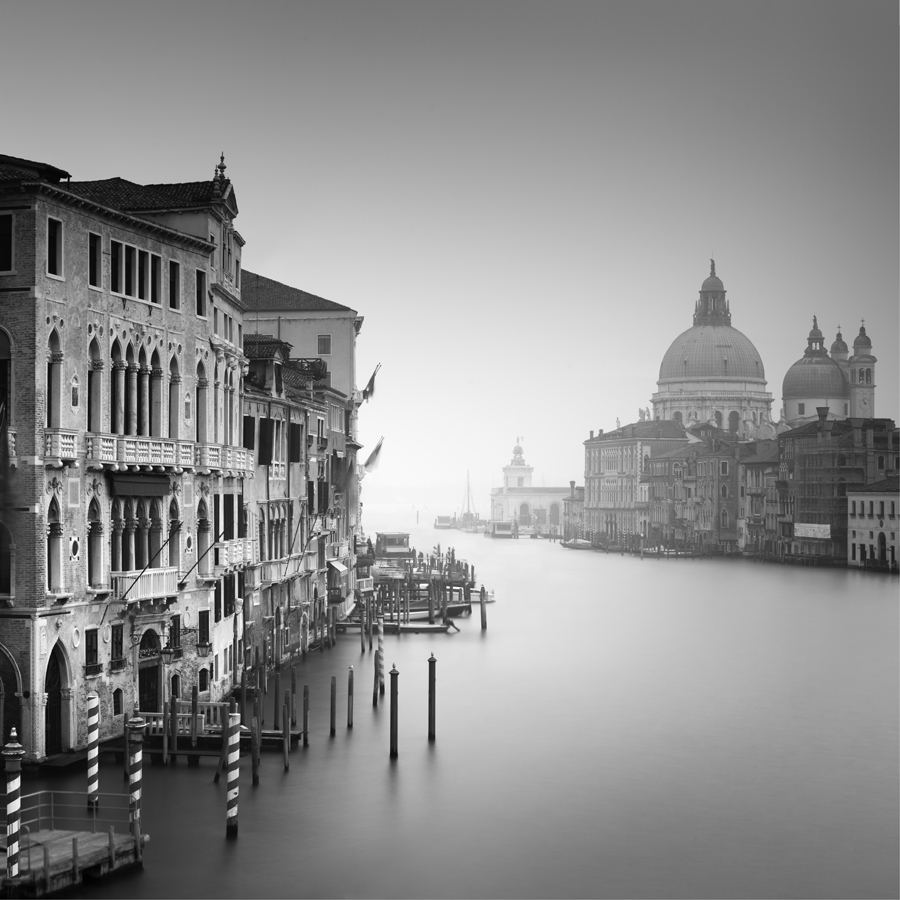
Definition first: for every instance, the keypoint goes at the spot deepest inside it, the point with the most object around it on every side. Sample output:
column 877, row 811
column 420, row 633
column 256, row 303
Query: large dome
column 814, row 378
column 711, row 352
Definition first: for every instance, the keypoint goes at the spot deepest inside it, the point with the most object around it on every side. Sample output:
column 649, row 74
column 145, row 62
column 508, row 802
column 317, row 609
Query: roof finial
column 815, row 323
column 221, row 167
column 712, row 266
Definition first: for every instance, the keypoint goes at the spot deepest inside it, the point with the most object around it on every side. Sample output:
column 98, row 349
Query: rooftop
column 261, row 293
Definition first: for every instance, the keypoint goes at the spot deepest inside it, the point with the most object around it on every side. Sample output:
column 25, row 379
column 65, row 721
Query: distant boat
column 392, row 545
column 501, row 530
column 445, row 522
column 469, row 520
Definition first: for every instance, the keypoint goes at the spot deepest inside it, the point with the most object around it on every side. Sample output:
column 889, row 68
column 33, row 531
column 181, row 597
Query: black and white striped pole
column 93, row 748
column 234, row 771
column 12, row 758
column 135, row 765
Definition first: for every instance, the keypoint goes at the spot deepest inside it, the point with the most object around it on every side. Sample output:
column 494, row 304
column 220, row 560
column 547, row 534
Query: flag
column 369, row 389
column 371, row 464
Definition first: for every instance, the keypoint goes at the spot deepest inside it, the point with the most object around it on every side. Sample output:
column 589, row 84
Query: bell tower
column 862, row 377
column 518, row 472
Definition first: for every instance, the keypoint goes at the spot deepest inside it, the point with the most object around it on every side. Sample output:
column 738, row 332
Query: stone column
column 117, row 415
column 131, row 400
column 144, row 401
column 156, row 402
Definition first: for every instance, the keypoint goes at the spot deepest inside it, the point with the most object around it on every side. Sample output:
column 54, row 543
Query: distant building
column 573, row 513
column 872, row 525
column 758, row 499
column 819, row 464
column 713, row 373
column 525, row 504
column 616, row 498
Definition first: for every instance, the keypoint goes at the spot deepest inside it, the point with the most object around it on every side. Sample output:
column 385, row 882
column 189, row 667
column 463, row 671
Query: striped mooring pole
column 93, row 748
column 394, row 711
column 234, row 771
column 135, row 764
column 380, row 659
column 12, row 758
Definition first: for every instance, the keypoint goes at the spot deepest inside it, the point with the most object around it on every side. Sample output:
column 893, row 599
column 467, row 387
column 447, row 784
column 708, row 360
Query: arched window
column 201, row 389
column 734, row 421
column 880, row 462
column 117, row 391
column 7, row 563
column 156, row 539
column 174, row 405
column 203, row 680
column 143, row 395
column 54, row 380
column 156, row 395
column 203, row 538
column 54, row 549
column 95, row 545
column 131, row 392
column 174, row 536
column 718, row 419
column 175, row 686
column 129, row 525
column 524, row 514
column 118, row 702
column 118, row 526
column 868, row 376
column 724, row 492
column 723, row 518
column 6, row 375
column 676, row 417
column 94, row 388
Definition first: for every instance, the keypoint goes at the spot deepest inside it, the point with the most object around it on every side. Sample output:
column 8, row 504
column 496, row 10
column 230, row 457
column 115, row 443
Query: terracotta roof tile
column 259, row 292
column 117, row 193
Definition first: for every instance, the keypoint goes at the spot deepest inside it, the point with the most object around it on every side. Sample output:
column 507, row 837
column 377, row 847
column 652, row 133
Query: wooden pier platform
column 53, row 860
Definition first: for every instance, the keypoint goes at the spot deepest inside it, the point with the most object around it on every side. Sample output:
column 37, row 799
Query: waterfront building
column 758, row 499
column 526, row 504
column 872, row 524
column 573, row 513
column 819, row 464
column 713, row 373
column 320, row 340
column 616, row 497
column 121, row 381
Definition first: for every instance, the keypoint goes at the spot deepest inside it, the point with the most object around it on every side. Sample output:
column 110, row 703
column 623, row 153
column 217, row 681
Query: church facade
column 526, row 505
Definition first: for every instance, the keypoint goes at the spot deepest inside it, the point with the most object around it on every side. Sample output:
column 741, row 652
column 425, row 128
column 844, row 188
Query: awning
column 337, row 566
column 132, row 484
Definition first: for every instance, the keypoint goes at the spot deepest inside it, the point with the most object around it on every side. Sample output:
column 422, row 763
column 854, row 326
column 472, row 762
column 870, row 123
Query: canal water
column 624, row 728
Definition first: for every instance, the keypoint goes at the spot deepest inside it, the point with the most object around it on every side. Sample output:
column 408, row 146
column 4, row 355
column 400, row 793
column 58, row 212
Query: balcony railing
column 215, row 456
column 234, row 552
column 146, row 585
column 61, row 444
column 93, row 668
column 365, row 584
column 132, row 450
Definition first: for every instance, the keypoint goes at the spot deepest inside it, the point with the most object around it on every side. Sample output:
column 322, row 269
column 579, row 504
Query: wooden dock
column 62, row 844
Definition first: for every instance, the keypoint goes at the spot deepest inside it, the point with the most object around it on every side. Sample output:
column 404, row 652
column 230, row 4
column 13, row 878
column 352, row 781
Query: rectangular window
column 324, row 342
column 155, row 277
column 237, row 273
column 881, row 509
column 91, row 647
column 143, row 274
column 852, row 507
column 801, row 409
column 203, row 626
column 175, row 632
column 174, row 285
column 130, row 271
column 6, row 242
column 201, row 292
column 54, row 247
column 724, row 469
column 116, row 642
column 94, row 260
column 116, row 256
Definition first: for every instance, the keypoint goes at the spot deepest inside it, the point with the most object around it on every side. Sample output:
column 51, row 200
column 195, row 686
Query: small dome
column 815, row 378
column 839, row 345
column 815, row 333
column 862, row 342
column 517, row 450
column 713, row 282
column 707, row 352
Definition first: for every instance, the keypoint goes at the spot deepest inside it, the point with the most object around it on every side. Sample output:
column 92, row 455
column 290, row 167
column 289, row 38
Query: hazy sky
column 521, row 199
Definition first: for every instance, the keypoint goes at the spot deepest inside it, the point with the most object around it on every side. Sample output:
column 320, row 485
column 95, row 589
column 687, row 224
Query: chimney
column 592, row 434
column 572, row 488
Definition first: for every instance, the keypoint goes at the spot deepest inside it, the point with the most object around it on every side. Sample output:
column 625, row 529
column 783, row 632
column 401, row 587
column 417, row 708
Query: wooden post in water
column 432, row 698
column 254, row 738
column 243, row 695
column 333, row 705
column 380, row 658
column 305, row 715
column 165, row 732
column 173, row 724
column 350, row 698
column 277, row 720
column 135, row 765
column 93, row 747
column 125, row 748
column 195, row 713
column 286, row 732
column 12, row 759
column 431, row 602
column 483, row 610
column 293, row 696
column 443, row 602
column 394, row 711
column 234, row 770
column 362, row 626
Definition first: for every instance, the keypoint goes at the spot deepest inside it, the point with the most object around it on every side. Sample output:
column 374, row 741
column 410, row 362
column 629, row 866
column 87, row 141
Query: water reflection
column 624, row 728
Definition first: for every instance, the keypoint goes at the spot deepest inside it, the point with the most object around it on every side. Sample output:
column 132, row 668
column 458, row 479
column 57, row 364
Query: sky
column 521, row 199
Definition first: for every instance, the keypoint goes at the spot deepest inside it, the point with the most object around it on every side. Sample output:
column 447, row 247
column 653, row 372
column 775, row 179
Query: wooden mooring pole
column 394, row 710
column 350, row 698
column 333, row 705
column 135, row 766
column 305, row 715
column 432, row 665
column 234, row 770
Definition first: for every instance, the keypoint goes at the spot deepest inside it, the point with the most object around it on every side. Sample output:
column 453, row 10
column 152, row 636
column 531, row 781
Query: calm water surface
column 624, row 728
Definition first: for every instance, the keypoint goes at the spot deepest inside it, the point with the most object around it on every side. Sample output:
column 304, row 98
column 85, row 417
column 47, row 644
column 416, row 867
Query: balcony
column 365, row 584
column 118, row 665
column 118, row 451
column 146, row 585
column 232, row 553
column 60, row 445
column 274, row 570
column 93, row 669
column 230, row 459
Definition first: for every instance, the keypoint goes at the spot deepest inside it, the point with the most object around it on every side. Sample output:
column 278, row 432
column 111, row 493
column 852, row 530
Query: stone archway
column 149, row 673
column 554, row 514
column 57, row 702
column 524, row 514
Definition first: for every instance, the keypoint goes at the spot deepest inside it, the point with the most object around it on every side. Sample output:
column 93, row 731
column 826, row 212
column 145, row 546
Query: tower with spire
column 862, row 377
